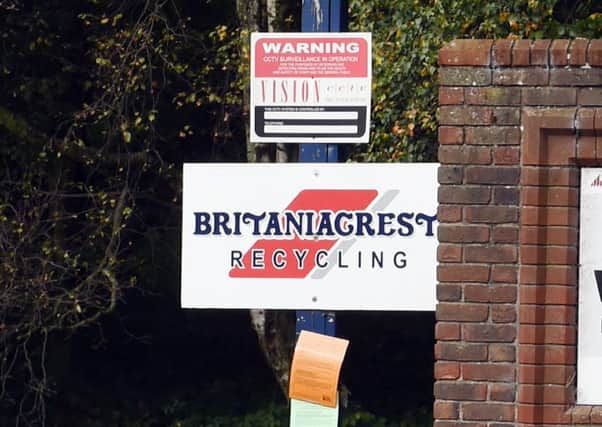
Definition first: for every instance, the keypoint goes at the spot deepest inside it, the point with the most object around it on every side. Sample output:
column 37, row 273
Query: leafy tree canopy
column 406, row 38
column 100, row 101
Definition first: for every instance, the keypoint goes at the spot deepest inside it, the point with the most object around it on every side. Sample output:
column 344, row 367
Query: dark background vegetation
column 101, row 101
column 204, row 368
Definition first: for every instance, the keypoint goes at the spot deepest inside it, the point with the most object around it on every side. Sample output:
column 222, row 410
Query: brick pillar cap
column 507, row 52
column 476, row 52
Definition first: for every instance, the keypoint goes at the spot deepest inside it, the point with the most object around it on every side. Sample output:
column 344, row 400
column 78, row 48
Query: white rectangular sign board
column 309, row 236
column 589, row 351
column 310, row 87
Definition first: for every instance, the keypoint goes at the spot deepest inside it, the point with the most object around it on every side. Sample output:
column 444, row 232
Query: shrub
column 406, row 36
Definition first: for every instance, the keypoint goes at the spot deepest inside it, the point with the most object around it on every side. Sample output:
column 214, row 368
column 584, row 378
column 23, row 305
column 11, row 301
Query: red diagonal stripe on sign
column 314, row 200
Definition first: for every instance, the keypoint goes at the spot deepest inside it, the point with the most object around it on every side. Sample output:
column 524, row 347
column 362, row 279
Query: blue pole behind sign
column 320, row 16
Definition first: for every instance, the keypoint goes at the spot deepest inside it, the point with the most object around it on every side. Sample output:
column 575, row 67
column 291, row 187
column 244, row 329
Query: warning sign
column 310, row 87
column 301, row 56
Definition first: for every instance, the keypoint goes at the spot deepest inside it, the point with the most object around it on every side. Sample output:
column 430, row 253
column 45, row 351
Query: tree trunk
column 274, row 328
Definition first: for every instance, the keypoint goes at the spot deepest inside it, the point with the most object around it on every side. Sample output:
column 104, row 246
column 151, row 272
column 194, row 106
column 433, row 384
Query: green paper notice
column 306, row 414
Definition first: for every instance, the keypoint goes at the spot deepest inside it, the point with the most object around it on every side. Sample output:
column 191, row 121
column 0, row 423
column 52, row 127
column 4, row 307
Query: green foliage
column 191, row 414
column 271, row 415
column 361, row 418
column 100, row 101
column 196, row 413
column 407, row 35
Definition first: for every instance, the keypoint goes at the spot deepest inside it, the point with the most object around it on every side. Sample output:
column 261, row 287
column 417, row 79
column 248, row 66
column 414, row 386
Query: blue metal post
column 330, row 16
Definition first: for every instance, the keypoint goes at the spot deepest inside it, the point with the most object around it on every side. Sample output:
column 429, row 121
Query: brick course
column 516, row 118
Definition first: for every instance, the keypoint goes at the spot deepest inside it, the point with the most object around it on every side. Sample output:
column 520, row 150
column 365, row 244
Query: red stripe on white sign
column 292, row 250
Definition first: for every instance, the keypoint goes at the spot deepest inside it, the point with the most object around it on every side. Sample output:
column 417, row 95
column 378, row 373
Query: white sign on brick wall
column 589, row 347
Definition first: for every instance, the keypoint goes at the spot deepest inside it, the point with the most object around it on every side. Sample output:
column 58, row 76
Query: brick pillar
column 517, row 120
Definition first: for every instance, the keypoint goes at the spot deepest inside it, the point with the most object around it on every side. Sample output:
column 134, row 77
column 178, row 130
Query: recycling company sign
column 318, row 236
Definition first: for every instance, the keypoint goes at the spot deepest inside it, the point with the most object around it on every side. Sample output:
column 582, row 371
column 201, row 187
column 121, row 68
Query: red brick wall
column 517, row 120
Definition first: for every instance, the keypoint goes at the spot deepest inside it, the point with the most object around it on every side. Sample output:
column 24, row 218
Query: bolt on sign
column 589, row 347
column 310, row 87
column 309, row 236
